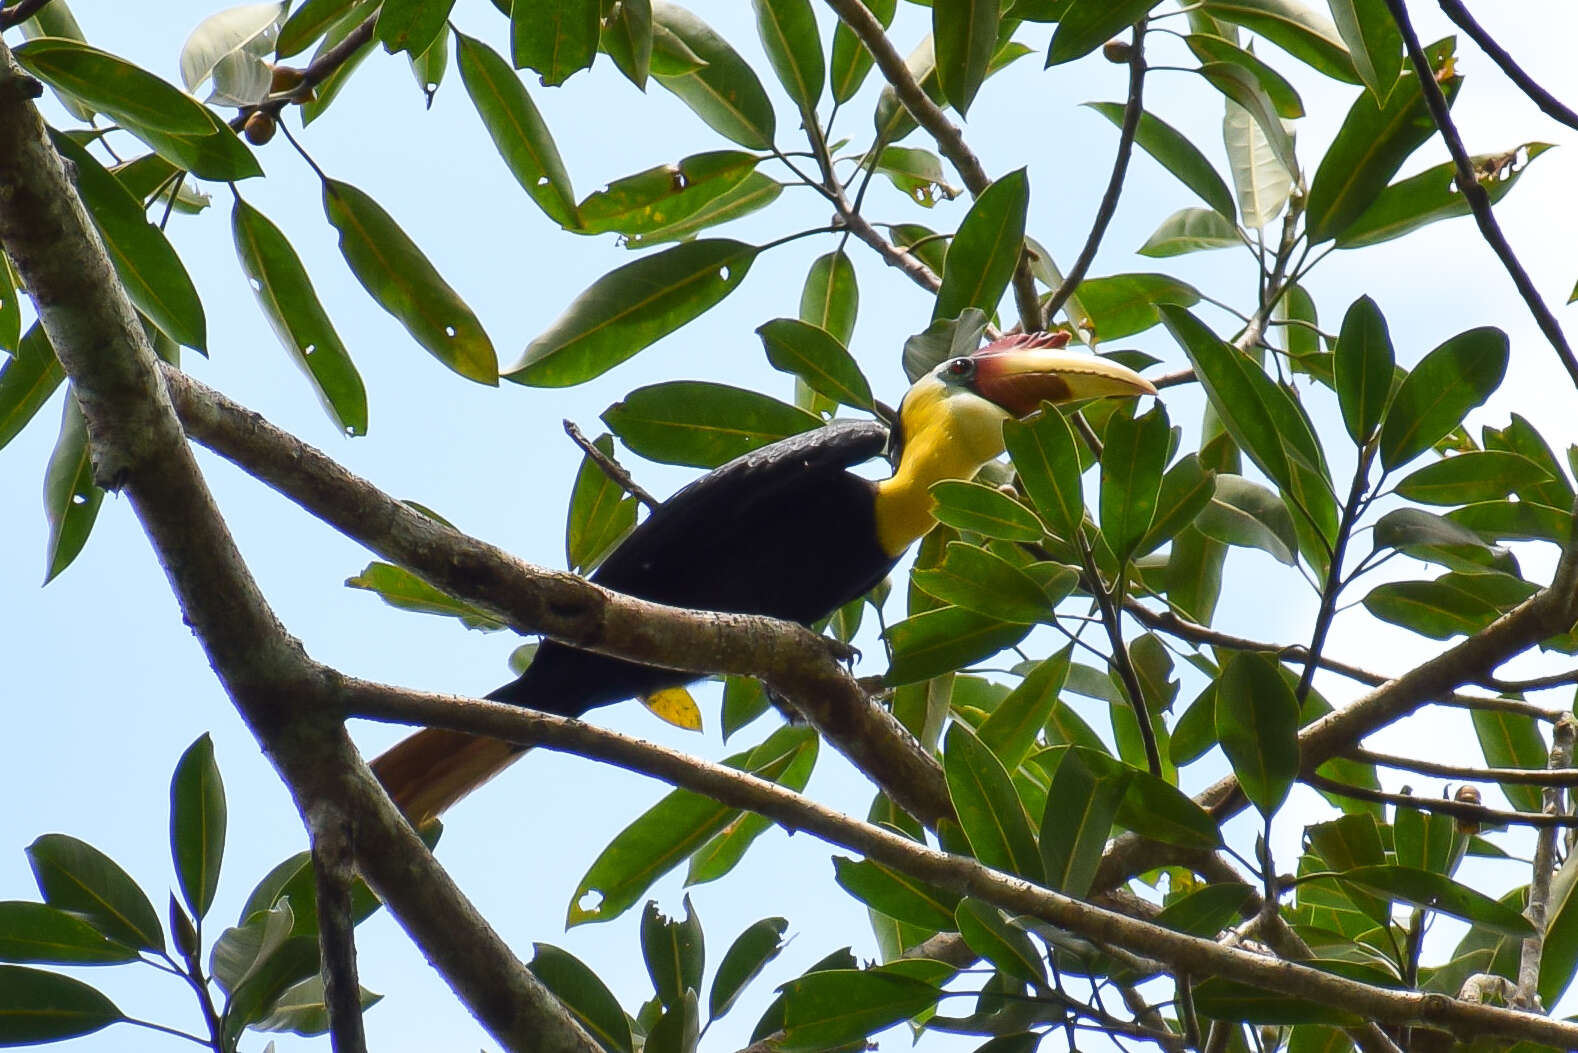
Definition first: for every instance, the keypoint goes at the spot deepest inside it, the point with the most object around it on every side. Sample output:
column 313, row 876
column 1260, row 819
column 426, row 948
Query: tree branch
column 611, row 468
column 949, row 139
column 1551, row 776
column 334, row 870
column 1477, row 813
column 138, row 446
column 1186, row 954
column 1527, row 995
column 1548, row 103
column 1133, row 110
column 20, row 12
column 795, row 662
column 1478, row 200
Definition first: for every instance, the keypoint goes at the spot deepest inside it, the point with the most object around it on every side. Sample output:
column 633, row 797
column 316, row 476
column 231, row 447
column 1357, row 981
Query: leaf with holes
column 396, row 274
column 285, row 293
column 554, row 37
column 665, row 195
column 1432, row 195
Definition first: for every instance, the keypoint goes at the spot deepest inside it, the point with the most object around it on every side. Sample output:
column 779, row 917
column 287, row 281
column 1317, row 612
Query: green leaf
column 1088, row 24
column 1466, row 478
column 850, row 61
column 896, row 894
column 1241, row 1003
column 302, row 1009
column 1404, row 527
column 554, row 37
column 724, row 92
column 1177, row 154
column 1205, row 911
column 290, row 303
column 1283, row 96
column 668, row 194
column 1082, row 800
column 746, row 957
column 988, row 807
column 670, row 830
column 583, row 994
column 71, row 499
column 517, row 129
column 306, row 24
column 1425, row 840
column 601, row 513
column 1437, row 609
column 830, row 299
column 980, row 581
column 1185, row 491
column 293, row 962
column 10, row 312
column 1261, row 179
column 113, row 86
column 155, row 280
column 242, row 950
column 1257, row 722
column 197, row 824
column 1439, row 893
column 411, row 25
column 674, row 950
column 755, row 192
column 942, row 640
column 836, row 1007
column 38, row 932
column 794, row 49
column 1241, row 86
column 678, row 1029
column 743, row 701
column 1047, row 460
column 1010, row 730
column 1374, row 42
column 627, row 37
column 1432, row 195
column 1370, row 147
column 1363, row 366
column 400, row 588
column 984, row 510
column 27, row 380
column 38, row 1006
column 1512, row 740
column 699, row 423
column 1295, row 28
column 1121, row 305
column 984, row 252
column 1438, row 393
column 1155, row 808
column 1191, row 230
column 1132, row 460
column 965, row 32
column 1515, row 520
column 217, row 154
column 631, row 307
column 1000, row 942
column 74, row 876
column 916, row 173
column 396, row 274
column 818, row 358
column 723, row 853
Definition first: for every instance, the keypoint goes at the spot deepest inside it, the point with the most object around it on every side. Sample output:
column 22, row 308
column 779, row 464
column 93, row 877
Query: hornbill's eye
column 960, row 369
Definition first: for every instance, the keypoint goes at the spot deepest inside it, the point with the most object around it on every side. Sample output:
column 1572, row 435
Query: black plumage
column 791, row 506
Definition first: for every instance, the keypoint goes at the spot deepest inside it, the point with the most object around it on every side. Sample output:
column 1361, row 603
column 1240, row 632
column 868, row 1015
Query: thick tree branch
column 1185, row 954
column 138, row 446
column 949, row 139
column 792, row 660
column 334, row 870
column 1478, row 200
column 20, row 12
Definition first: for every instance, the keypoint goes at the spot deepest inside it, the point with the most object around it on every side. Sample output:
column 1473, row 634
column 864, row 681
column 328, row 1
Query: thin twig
column 16, row 14
column 334, row 871
column 1112, row 621
column 1527, row 995
column 1550, row 104
column 320, row 69
column 1550, row 776
column 611, row 468
column 1478, row 200
column 1333, row 586
column 1459, row 809
column 1133, row 110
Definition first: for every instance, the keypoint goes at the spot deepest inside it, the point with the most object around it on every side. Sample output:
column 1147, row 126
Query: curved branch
column 795, row 662
column 138, row 446
column 1186, row 954
column 1549, row 104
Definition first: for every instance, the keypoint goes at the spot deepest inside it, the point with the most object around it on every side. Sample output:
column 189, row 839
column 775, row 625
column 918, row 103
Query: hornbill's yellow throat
column 786, row 531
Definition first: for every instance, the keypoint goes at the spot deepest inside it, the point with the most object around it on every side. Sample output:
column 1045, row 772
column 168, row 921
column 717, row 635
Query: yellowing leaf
column 674, row 705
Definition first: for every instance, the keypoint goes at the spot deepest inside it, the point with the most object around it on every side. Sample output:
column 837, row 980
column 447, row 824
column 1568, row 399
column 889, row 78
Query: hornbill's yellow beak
column 1020, row 372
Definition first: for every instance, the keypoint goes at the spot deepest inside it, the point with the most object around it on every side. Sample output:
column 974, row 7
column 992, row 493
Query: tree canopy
column 1231, row 720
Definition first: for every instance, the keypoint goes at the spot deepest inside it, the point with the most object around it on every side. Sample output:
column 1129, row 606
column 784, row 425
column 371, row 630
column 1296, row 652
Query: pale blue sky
column 105, row 687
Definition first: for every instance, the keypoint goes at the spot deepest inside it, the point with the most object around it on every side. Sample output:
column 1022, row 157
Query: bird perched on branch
column 785, row 531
